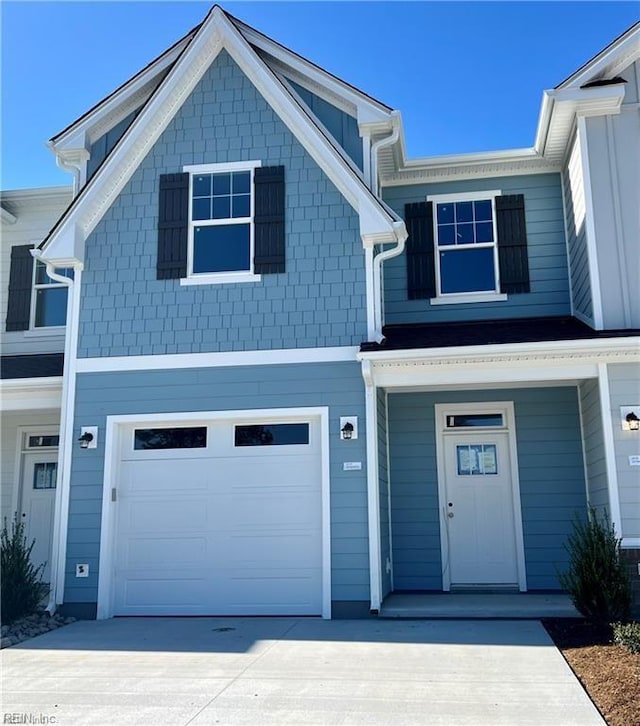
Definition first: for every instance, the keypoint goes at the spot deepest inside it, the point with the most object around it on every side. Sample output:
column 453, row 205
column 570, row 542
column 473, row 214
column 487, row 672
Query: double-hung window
column 221, row 221
column 466, row 245
column 49, row 303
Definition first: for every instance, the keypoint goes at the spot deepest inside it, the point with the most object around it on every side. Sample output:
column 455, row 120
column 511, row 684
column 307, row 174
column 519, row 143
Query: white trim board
column 214, row 360
column 30, row 394
column 112, row 453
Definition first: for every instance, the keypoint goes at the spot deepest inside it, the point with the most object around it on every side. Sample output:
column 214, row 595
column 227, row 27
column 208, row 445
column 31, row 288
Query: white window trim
column 481, row 296
column 38, row 330
column 213, row 278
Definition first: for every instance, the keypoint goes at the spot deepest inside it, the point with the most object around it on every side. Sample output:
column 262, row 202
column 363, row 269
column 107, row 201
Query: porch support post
column 373, row 495
column 609, row 449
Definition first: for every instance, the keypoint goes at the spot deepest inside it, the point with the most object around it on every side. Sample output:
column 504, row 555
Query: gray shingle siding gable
column 319, row 301
column 547, row 254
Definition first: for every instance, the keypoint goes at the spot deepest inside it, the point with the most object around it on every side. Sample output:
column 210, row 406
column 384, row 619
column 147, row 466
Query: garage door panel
column 269, row 510
column 271, row 550
column 164, row 515
column 174, row 592
column 221, row 532
column 273, row 472
column 151, row 477
column 263, row 591
column 157, row 552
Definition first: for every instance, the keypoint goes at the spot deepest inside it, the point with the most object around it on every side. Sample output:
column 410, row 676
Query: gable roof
column 65, row 243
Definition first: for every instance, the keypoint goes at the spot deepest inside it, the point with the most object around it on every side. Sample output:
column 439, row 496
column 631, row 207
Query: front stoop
column 478, row 605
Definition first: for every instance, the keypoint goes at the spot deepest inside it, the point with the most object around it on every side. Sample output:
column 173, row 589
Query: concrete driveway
column 264, row 671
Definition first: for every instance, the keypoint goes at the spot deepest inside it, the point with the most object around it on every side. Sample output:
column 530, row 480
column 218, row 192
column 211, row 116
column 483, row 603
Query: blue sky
column 466, row 76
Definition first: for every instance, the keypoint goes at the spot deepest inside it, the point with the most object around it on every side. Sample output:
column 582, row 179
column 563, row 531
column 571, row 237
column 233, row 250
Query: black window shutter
column 20, row 287
column 173, row 226
column 421, row 274
column 269, row 255
column 512, row 244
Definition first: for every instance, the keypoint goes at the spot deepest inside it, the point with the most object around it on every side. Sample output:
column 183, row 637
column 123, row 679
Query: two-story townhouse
column 303, row 373
column 33, row 309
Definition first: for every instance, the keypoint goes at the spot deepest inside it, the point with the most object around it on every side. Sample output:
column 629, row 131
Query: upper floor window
column 221, row 220
column 35, row 301
column 221, row 223
column 49, row 298
column 466, row 250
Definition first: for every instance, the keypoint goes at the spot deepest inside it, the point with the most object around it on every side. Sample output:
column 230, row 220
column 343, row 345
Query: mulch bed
column 609, row 673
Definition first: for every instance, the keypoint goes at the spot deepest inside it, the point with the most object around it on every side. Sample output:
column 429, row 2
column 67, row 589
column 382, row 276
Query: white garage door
column 219, row 518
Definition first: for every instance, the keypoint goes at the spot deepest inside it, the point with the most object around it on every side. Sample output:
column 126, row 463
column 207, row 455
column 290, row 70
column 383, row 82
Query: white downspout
column 380, row 144
column 375, row 261
column 72, row 169
column 61, row 513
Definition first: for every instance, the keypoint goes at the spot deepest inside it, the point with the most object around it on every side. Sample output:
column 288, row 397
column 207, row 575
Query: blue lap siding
column 551, row 474
column 338, row 386
column 546, row 245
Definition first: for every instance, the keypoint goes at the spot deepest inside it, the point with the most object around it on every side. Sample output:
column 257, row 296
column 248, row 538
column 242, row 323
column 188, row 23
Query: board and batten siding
column 336, row 385
column 624, row 390
column 573, row 187
column 551, row 474
column 342, row 126
column 593, row 442
column 547, row 254
column 613, row 148
column 383, row 491
column 319, row 300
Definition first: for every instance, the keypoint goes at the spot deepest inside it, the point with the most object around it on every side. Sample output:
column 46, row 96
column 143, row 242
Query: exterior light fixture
column 347, row 431
column 633, row 421
column 85, row 440
column 88, row 437
column 629, row 418
column 348, row 428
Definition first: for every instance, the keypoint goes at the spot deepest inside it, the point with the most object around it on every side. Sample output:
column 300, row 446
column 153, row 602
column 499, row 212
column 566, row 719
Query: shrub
column 597, row 579
column 21, row 587
column 627, row 635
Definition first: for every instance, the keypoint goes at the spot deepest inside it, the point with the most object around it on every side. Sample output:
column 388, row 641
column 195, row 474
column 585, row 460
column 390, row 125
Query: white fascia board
column 53, row 195
column 316, row 79
column 215, row 33
column 560, row 107
column 497, row 364
column 31, row 394
column 68, row 250
column 116, row 106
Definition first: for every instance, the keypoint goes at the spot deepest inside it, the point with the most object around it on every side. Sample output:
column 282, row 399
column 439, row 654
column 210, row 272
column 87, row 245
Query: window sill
column 220, row 278
column 477, row 297
column 44, row 332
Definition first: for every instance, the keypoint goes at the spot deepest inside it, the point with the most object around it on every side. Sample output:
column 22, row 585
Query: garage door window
column 272, row 434
column 185, row 437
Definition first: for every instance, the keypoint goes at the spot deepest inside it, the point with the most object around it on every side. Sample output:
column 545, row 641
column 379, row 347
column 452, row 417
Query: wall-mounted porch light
column 630, row 418
column 88, row 437
column 348, row 428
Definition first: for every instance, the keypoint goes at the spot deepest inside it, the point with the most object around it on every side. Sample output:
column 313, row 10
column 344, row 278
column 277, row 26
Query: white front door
column 38, row 498
column 478, row 511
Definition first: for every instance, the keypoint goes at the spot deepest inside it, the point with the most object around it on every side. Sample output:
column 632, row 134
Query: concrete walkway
column 280, row 671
